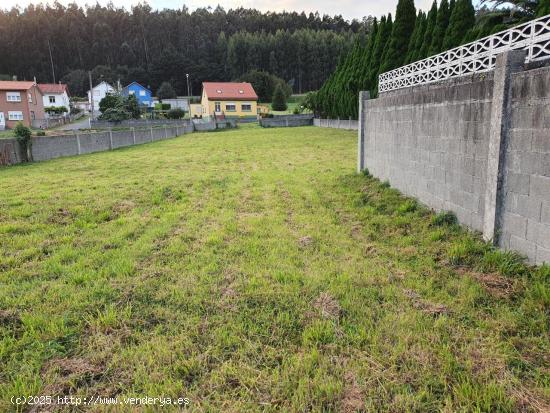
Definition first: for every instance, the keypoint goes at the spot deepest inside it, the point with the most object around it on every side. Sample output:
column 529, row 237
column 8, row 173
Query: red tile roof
column 229, row 91
column 15, row 85
column 57, row 88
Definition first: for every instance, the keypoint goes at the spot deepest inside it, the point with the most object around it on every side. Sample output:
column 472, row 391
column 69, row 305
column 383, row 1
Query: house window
column 51, row 99
column 13, row 97
column 97, row 93
column 217, row 107
column 246, row 107
column 15, row 115
column 29, row 97
column 132, row 92
column 230, row 107
column 142, row 92
column 33, row 117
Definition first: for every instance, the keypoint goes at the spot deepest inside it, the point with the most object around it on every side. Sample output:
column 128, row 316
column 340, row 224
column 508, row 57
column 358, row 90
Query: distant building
column 20, row 102
column 143, row 95
column 195, row 110
column 179, row 102
column 99, row 92
column 55, row 94
column 229, row 99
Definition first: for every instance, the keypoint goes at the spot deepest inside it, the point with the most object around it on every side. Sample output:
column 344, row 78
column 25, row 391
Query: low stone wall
column 50, row 147
column 348, row 124
column 287, row 121
column 138, row 123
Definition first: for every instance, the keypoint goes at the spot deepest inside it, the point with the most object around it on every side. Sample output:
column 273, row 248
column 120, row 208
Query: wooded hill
column 150, row 46
column 410, row 37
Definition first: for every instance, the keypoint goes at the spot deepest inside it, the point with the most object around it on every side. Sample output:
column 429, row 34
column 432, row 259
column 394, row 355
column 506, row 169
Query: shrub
column 444, row 218
column 176, row 113
column 55, row 110
column 366, row 173
column 23, row 135
column 40, row 133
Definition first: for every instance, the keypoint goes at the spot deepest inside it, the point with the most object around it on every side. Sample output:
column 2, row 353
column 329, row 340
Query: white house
column 99, row 92
column 54, row 94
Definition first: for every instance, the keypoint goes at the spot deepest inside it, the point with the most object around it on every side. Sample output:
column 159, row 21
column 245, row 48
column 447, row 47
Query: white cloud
column 347, row 8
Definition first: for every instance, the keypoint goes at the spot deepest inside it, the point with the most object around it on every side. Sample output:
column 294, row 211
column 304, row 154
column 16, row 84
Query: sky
column 349, row 9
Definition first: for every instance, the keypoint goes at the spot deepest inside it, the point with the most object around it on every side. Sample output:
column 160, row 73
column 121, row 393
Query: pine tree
column 428, row 34
column 441, row 24
column 461, row 21
column 405, row 18
column 419, row 28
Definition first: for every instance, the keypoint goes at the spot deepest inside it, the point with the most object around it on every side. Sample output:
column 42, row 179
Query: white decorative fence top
column 478, row 56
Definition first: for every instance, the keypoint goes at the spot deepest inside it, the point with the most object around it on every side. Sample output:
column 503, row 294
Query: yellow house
column 195, row 110
column 229, row 99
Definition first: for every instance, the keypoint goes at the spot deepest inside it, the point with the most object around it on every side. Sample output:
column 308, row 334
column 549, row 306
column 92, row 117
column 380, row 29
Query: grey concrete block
column 539, row 186
column 522, row 245
column 542, row 256
column 514, row 224
column 517, row 183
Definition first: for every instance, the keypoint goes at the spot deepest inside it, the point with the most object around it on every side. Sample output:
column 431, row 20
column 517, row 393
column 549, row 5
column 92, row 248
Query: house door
column 2, row 121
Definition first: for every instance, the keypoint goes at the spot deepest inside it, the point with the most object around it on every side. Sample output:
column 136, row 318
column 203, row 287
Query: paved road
column 80, row 124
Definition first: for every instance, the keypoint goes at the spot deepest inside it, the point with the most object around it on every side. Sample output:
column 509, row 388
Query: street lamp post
column 188, row 92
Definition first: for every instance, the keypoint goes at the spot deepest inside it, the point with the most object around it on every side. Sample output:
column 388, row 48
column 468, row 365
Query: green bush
column 176, row 113
column 444, row 218
column 23, row 135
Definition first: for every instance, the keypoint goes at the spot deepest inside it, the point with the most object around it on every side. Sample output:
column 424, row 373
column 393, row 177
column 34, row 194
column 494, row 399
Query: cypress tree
column 451, row 7
column 419, row 29
column 441, row 24
column 420, row 39
column 405, row 18
column 543, row 8
column 382, row 39
column 461, row 21
column 428, row 34
column 279, row 99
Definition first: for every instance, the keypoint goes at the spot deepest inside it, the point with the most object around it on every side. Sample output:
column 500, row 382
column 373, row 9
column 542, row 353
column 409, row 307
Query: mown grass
column 253, row 270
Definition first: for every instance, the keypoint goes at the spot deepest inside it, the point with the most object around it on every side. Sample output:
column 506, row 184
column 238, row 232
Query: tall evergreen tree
column 418, row 34
column 543, row 8
column 405, row 18
column 461, row 21
column 441, row 24
column 428, row 34
column 382, row 39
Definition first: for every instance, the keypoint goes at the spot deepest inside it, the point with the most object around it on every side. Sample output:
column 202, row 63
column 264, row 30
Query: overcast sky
column 348, row 8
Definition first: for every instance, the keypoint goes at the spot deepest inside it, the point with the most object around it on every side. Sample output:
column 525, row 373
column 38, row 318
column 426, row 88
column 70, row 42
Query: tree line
column 410, row 37
column 151, row 46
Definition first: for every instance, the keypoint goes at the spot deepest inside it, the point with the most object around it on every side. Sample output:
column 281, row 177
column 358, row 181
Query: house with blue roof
column 143, row 95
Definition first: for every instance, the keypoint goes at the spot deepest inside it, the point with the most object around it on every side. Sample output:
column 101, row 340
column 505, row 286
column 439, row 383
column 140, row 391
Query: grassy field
column 253, row 270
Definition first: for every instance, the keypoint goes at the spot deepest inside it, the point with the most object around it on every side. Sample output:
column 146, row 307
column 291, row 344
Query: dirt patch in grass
column 496, row 285
column 61, row 217
column 123, row 207
column 9, row 318
column 352, row 400
column 327, row 306
column 425, row 306
column 304, row 242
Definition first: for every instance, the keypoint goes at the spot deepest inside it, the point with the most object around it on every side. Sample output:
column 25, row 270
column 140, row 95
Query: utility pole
column 188, row 90
column 51, row 60
column 91, row 95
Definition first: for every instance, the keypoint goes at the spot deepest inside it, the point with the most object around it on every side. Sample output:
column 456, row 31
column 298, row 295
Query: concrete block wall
column 10, row 152
column 433, row 142
column 525, row 216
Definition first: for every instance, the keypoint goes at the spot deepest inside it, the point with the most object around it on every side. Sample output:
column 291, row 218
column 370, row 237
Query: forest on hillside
column 150, row 46
column 414, row 35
